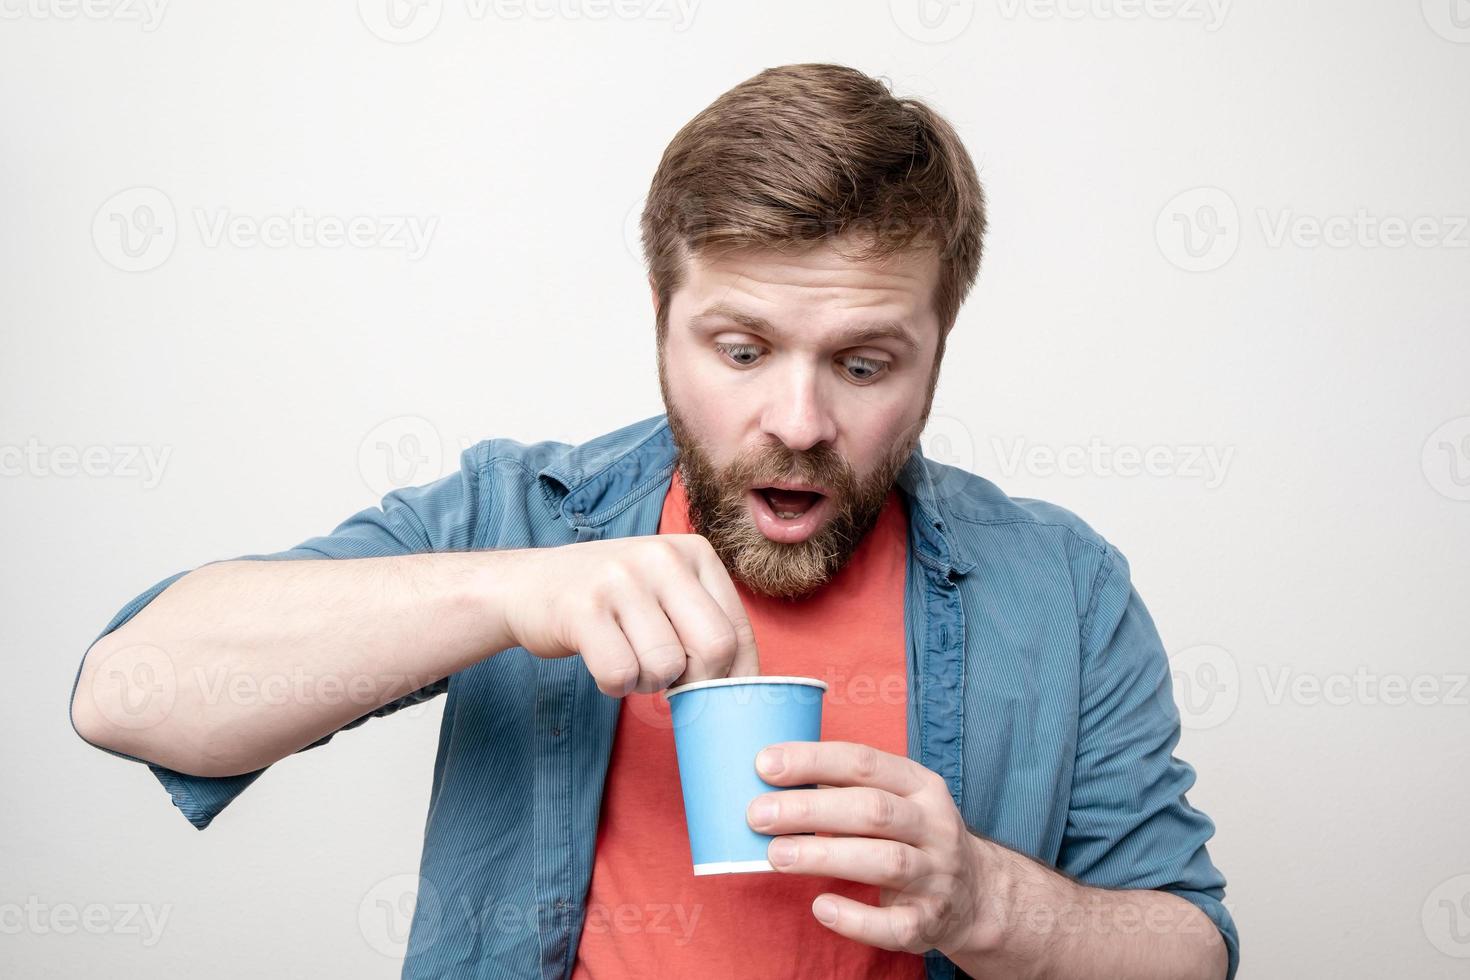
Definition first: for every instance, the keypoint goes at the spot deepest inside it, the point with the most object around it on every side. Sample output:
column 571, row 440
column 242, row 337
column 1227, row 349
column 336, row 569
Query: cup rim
column 732, row 681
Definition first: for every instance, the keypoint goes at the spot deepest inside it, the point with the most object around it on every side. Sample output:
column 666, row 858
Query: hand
column 894, row 825
column 644, row 612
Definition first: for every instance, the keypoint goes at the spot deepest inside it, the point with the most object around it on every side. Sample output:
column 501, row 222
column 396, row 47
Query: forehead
column 826, row 279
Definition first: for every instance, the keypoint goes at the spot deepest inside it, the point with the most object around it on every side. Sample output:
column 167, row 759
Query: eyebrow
column 885, row 329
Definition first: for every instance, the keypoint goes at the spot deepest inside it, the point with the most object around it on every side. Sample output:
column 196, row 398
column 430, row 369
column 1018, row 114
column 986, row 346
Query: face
column 796, row 386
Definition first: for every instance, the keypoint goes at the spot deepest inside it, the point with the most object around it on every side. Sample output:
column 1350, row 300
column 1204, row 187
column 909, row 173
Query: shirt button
column 556, row 733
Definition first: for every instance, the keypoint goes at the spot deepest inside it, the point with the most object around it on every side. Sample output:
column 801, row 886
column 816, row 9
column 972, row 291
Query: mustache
column 821, row 466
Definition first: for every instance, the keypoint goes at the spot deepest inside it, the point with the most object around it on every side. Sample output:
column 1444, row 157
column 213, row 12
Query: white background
column 1331, row 546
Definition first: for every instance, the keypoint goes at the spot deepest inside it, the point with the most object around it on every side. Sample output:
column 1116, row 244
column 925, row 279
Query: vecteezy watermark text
column 147, row 14
column 404, row 903
column 39, row 918
column 407, row 21
column 301, row 229
column 1210, row 13
column 1362, row 229
column 1206, row 463
column 1363, row 686
column 136, row 230
column 36, row 459
column 1201, row 229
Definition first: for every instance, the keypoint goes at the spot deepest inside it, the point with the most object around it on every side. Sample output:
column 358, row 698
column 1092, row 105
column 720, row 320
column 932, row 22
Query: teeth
column 787, row 517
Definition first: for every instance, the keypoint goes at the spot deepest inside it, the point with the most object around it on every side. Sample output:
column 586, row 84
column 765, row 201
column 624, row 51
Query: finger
column 886, row 863
column 608, row 656
column 703, row 628
column 896, row 927
column 716, row 581
column 653, row 639
column 841, row 764
column 857, row 811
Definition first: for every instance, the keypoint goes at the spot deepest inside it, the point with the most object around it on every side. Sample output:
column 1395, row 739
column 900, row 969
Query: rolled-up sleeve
column 1130, row 825
column 439, row 516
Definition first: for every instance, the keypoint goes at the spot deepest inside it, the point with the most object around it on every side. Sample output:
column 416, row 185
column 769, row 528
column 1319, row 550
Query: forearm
column 238, row 664
column 1039, row 924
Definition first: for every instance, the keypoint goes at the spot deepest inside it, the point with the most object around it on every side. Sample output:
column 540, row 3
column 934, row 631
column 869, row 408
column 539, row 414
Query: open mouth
column 789, row 504
column 788, row 516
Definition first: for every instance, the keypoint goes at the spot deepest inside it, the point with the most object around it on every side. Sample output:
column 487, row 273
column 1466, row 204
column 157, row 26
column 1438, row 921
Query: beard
column 719, row 508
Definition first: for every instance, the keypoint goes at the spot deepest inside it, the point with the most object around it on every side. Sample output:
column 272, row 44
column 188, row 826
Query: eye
column 742, row 354
column 863, row 369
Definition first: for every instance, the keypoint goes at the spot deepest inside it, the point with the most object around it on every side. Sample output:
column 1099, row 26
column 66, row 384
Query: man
column 995, row 793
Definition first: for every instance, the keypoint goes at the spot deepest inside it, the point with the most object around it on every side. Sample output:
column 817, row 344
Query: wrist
column 489, row 591
column 1017, row 901
column 989, row 914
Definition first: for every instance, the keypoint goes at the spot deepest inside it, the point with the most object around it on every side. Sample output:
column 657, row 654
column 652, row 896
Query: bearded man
column 995, row 792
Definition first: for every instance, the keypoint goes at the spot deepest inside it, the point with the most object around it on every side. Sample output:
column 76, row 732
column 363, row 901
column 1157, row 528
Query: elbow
column 127, row 700
column 1210, row 956
column 124, row 703
column 86, row 719
column 98, row 702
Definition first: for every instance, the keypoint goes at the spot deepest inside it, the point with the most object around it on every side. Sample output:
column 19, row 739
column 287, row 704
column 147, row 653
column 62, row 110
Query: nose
column 797, row 412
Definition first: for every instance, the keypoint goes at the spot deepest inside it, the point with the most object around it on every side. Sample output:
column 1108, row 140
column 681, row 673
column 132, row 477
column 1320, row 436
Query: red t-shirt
column 648, row 916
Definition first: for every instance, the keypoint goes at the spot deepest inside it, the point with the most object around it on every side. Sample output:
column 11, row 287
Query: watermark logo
column 387, row 913
column 1199, row 230
column 134, row 687
column 401, row 21
column 135, row 229
column 404, row 451
column 1450, row 19
column 948, row 441
column 653, row 710
column 942, row 911
column 1446, row 459
column 1446, row 917
column 1206, row 682
column 932, row 21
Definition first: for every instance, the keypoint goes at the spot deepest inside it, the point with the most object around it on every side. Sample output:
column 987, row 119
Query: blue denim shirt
column 1038, row 688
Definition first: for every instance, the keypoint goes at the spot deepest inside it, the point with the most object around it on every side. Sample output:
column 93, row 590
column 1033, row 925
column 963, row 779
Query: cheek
column 706, row 408
column 882, row 428
column 709, row 395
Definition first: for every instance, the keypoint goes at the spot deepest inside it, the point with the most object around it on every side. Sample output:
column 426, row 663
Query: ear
column 653, row 291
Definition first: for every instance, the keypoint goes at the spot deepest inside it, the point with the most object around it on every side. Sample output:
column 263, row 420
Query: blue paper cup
column 719, row 727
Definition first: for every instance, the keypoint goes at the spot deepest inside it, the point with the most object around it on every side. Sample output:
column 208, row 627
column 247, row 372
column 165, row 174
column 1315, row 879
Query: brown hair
column 803, row 153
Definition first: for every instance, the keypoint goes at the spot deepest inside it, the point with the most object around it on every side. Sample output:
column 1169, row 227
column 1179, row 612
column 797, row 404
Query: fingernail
column 771, row 761
column 825, row 910
column 782, row 852
column 762, row 812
